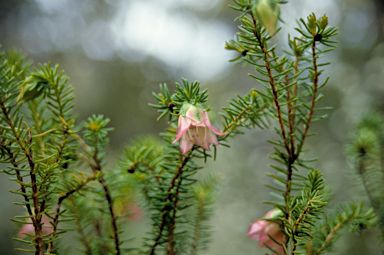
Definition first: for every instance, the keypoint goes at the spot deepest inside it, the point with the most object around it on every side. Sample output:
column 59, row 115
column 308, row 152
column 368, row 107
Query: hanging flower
column 30, row 229
column 134, row 211
column 260, row 229
column 195, row 128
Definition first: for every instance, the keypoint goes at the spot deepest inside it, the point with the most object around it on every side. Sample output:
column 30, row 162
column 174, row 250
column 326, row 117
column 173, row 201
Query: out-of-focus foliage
column 118, row 85
column 366, row 152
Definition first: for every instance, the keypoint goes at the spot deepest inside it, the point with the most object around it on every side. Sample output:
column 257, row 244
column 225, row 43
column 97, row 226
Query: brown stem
column 289, row 173
column 19, row 177
column 294, row 87
column 36, row 220
column 312, row 107
column 168, row 198
column 272, row 83
column 329, row 237
column 289, row 106
column 290, row 119
column 237, row 118
column 172, row 224
column 60, row 151
column 114, row 224
column 299, row 220
column 35, row 199
column 279, row 116
column 42, row 205
column 96, row 167
column 61, row 199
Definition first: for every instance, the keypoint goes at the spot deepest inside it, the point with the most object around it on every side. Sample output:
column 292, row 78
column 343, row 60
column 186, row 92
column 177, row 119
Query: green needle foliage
column 41, row 144
column 366, row 152
column 292, row 84
column 61, row 169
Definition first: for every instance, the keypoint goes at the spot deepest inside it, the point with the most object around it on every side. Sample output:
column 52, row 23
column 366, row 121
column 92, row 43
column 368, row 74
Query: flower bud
column 268, row 12
column 32, row 88
column 323, row 22
column 261, row 230
column 312, row 23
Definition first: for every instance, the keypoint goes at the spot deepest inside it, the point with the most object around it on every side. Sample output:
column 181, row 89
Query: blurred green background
column 116, row 52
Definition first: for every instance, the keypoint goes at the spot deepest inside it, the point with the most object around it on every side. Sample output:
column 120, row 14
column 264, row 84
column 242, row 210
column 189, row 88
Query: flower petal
column 208, row 124
column 262, row 229
column 184, row 124
column 195, row 115
column 255, row 229
column 211, row 138
column 186, row 143
column 204, row 117
column 201, row 137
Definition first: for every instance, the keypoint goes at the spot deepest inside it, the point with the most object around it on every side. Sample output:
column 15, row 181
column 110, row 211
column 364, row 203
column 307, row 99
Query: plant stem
column 168, row 198
column 329, row 237
column 237, row 117
column 272, row 83
column 19, row 177
column 296, row 225
column 61, row 199
column 280, row 119
column 111, row 211
column 312, row 107
column 97, row 167
column 36, row 220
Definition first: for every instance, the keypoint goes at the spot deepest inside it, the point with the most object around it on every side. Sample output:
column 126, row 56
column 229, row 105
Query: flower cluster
column 195, row 128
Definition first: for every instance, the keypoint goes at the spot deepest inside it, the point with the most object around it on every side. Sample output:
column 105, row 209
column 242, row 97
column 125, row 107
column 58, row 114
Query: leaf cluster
column 171, row 104
column 42, row 147
column 366, row 154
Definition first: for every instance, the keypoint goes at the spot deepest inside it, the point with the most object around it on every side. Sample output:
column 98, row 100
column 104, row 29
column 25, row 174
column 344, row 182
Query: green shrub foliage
column 60, row 164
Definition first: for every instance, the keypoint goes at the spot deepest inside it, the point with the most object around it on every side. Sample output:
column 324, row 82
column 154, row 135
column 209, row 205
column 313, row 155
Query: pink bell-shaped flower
column 195, row 128
column 260, row 229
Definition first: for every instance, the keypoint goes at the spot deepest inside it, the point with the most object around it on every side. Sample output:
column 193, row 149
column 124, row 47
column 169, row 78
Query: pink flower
column 195, row 128
column 136, row 213
column 260, row 229
column 30, row 229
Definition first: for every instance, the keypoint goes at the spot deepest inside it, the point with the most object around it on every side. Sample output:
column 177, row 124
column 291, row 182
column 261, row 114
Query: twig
column 329, row 237
column 60, row 151
column 19, row 177
column 28, row 153
column 237, row 118
column 61, row 199
column 272, row 83
column 279, row 116
column 96, row 167
column 168, row 197
column 312, row 107
column 298, row 221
